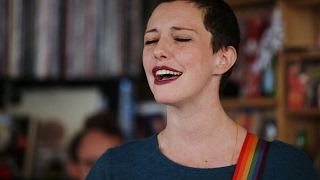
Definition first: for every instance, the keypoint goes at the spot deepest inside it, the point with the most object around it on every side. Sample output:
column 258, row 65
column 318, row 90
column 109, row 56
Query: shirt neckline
column 175, row 165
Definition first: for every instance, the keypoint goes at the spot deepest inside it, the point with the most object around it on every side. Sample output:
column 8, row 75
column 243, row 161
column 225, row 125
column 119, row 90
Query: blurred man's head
column 99, row 134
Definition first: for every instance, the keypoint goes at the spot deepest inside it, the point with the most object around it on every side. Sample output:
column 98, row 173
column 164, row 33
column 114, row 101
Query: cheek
column 200, row 64
column 145, row 59
column 195, row 59
column 147, row 63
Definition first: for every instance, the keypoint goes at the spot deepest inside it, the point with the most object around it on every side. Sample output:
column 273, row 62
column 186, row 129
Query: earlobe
column 227, row 59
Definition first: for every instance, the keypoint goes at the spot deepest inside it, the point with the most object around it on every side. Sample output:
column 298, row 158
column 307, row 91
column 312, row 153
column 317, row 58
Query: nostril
column 160, row 54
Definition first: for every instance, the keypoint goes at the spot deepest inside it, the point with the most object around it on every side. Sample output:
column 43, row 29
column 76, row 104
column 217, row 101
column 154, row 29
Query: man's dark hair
column 220, row 20
column 104, row 122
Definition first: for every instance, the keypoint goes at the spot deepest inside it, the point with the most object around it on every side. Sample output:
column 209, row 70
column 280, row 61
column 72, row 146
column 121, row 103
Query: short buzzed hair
column 220, row 20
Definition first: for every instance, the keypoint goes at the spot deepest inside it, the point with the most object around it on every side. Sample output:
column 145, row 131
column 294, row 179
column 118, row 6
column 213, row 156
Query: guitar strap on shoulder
column 252, row 158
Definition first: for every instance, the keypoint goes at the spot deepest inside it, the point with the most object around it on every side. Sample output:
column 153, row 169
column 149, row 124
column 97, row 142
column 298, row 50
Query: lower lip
column 161, row 82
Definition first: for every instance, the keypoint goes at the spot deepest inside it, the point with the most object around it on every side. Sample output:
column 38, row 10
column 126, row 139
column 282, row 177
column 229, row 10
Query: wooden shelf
column 241, row 103
column 314, row 112
column 237, row 3
column 49, row 83
column 109, row 87
column 304, row 55
column 301, row 23
column 302, row 3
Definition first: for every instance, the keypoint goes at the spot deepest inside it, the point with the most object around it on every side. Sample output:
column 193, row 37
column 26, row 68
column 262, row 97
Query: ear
column 226, row 59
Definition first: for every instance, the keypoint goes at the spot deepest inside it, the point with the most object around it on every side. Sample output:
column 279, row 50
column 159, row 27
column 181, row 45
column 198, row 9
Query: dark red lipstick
column 164, row 78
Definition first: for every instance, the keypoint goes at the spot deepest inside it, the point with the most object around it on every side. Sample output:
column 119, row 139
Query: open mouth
column 166, row 75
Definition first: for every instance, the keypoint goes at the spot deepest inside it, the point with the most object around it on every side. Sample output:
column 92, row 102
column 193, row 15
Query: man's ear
column 227, row 58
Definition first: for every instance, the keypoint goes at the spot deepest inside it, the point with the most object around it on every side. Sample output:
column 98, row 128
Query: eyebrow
column 181, row 28
column 151, row 30
column 172, row 28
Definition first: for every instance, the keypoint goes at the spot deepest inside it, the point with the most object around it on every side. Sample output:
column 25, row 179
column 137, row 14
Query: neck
column 199, row 133
column 202, row 149
column 197, row 123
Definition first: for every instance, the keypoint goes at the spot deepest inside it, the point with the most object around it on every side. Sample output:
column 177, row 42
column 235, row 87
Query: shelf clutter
column 277, row 71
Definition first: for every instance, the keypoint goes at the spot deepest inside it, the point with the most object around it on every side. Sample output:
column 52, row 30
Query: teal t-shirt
column 142, row 160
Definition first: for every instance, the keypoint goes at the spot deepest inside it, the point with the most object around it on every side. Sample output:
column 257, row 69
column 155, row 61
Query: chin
column 163, row 96
column 165, row 100
column 160, row 100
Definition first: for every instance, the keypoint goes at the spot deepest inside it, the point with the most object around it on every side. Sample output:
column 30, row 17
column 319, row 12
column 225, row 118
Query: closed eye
column 182, row 39
column 151, row 42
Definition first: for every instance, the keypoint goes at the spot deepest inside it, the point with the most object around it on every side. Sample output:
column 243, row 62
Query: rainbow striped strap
column 252, row 158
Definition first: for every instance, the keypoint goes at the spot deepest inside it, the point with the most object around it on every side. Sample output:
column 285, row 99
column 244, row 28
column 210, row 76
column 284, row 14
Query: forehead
column 95, row 142
column 174, row 13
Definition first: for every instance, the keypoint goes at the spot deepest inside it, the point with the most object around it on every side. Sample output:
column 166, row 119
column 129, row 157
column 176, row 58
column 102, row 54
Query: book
column 15, row 38
column 4, row 6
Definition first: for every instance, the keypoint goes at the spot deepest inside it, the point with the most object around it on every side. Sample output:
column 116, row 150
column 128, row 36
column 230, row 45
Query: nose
column 161, row 52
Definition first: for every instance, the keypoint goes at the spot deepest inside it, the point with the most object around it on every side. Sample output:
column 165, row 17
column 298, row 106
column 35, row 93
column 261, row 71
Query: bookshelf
column 46, row 45
column 70, row 39
column 301, row 41
column 50, row 43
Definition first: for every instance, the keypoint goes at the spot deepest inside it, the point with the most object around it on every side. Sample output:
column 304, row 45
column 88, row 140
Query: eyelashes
column 176, row 39
column 182, row 39
column 151, row 42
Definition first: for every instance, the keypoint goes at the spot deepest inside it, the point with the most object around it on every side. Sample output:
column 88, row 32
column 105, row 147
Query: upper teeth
column 163, row 72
